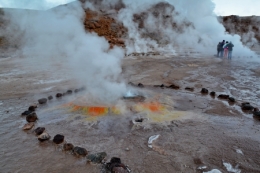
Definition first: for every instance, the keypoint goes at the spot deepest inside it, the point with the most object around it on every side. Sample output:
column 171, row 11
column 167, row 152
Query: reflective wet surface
column 198, row 133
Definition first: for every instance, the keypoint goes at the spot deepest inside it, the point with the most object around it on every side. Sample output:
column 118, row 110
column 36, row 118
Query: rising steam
column 57, row 36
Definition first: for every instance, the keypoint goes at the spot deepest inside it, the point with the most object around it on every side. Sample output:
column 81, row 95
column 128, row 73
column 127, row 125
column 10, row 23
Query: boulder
column 97, row 157
column 28, row 126
column 231, row 99
column 58, row 95
column 44, row 137
column 50, row 97
column 213, row 93
column 42, row 101
column 140, row 85
column 173, row 87
column 68, row 147
column 204, row 91
column 257, row 114
column 246, row 106
column 69, row 92
column 58, row 139
column 31, row 117
column 115, row 165
column 223, row 96
column 32, row 108
column 39, row 130
column 189, row 89
column 25, row 113
column 79, row 151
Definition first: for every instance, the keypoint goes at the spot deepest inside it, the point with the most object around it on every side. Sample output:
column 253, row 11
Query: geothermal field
column 128, row 86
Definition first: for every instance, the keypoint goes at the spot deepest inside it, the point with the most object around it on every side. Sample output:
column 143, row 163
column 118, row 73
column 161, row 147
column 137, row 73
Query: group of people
column 225, row 49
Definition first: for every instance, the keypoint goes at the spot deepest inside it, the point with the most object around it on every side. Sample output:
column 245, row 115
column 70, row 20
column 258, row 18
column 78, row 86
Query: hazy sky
column 237, row 7
column 223, row 7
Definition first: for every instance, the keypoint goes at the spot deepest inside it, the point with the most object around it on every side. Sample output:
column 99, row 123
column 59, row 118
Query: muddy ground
column 208, row 132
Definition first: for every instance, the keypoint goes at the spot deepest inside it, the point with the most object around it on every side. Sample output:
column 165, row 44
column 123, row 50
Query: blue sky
column 223, row 7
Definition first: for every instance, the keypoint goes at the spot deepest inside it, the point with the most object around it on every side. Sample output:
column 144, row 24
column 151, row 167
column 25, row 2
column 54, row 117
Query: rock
column 231, row 99
column 50, row 97
column 39, row 130
column 31, row 117
column 96, row 158
column 213, row 93
column 44, row 137
column 32, row 108
column 28, row 126
column 256, row 110
column 223, row 96
column 42, row 101
column 25, row 113
column 257, row 114
column 58, row 139
column 79, row 151
column 189, row 89
column 246, row 106
column 204, row 91
column 140, row 85
column 69, row 92
column 162, row 86
column 116, row 166
column 127, row 149
column 58, row 95
column 67, row 147
column 76, row 90
column 173, row 87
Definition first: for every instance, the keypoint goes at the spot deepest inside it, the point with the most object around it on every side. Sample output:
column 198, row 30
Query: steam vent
column 120, row 86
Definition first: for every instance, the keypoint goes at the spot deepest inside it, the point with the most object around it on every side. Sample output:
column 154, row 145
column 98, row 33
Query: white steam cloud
column 196, row 26
column 58, row 36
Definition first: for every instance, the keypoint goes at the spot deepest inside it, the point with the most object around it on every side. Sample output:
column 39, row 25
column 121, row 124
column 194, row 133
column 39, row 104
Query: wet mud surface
column 195, row 130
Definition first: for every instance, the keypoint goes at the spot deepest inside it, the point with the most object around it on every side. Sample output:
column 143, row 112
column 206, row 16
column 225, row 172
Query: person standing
column 222, row 49
column 219, row 48
column 230, row 49
column 225, row 50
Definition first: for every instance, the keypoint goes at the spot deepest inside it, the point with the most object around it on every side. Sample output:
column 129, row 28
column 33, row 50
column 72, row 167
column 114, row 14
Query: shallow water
column 207, row 131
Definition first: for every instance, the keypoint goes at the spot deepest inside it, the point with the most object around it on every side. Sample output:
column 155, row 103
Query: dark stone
column 213, row 93
column 44, row 137
column 246, row 106
column 50, row 97
column 115, row 165
column 204, row 91
column 140, row 85
column 25, row 113
column 68, row 147
column 96, row 158
column 131, row 83
column 256, row 110
column 245, row 103
column 231, row 99
column 58, row 139
column 39, row 130
column 79, row 151
column 189, row 89
column 32, row 108
column 223, row 96
column 173, row 87
column 42, row 101
column 31, row 117
column 257, row 114
column 76, row 90
column 162, row 86
column 139, row 120
column 69, row 92
column 58, row 95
